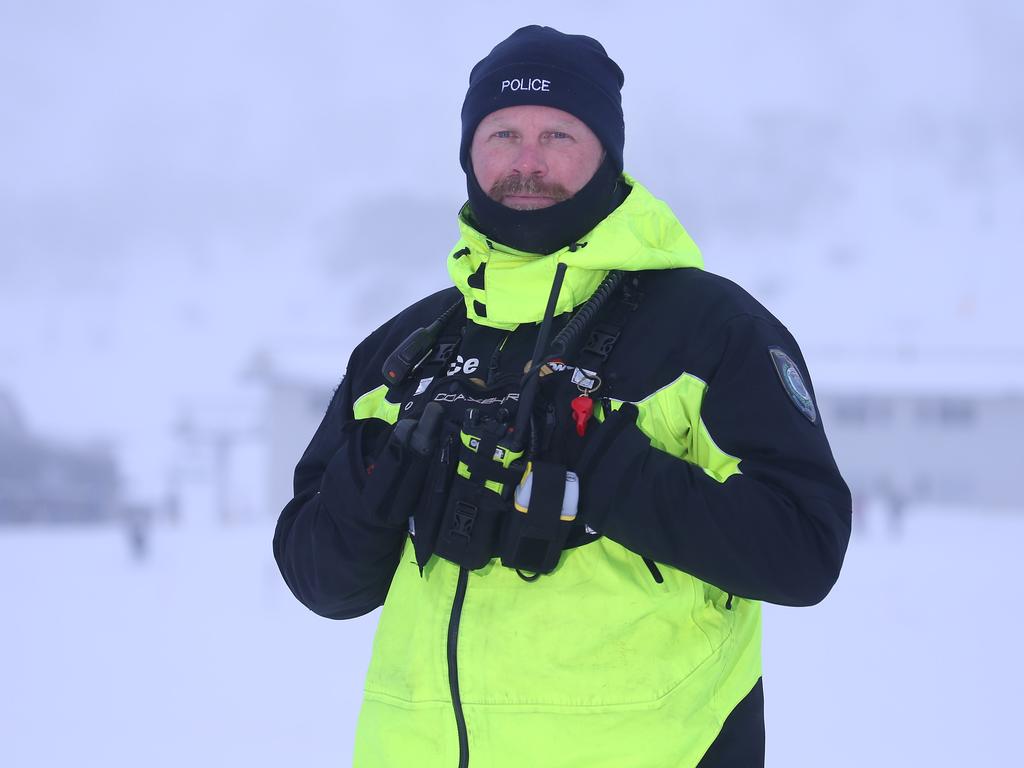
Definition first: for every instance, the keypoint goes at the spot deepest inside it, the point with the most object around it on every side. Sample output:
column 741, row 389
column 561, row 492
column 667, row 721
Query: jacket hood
column 504, row 287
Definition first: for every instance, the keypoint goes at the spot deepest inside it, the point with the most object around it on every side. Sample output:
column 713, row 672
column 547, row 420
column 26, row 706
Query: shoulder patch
column 793, row 383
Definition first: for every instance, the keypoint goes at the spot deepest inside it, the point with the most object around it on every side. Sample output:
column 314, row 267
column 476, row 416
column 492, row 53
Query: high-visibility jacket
column 637, row 648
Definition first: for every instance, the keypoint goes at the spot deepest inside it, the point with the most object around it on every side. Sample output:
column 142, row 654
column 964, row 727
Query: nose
column 530, row 160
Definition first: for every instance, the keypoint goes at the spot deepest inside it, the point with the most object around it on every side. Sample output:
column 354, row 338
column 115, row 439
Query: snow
column 200, row 656
column 197, row 656
column 913, row 659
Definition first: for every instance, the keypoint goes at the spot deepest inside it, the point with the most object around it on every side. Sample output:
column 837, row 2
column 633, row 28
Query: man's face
column 531, row 157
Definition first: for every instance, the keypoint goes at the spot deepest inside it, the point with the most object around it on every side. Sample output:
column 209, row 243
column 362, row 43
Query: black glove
column 602, row 435
column 612, row 448
column 397, row 475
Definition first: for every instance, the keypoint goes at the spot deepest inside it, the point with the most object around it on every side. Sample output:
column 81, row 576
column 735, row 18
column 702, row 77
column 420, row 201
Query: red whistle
column 582, row 410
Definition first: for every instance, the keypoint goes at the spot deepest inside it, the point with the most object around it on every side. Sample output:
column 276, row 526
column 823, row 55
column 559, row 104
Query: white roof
column 952, row 373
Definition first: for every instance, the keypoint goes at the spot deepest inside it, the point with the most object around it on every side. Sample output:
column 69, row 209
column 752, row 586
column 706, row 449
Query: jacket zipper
column 453, row 666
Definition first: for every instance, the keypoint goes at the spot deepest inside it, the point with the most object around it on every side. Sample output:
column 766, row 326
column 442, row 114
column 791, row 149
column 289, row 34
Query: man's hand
column 602, row 435
column 398, row 473
column 609, row 451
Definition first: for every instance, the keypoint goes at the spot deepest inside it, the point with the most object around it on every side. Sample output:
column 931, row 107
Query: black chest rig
column 480, row 462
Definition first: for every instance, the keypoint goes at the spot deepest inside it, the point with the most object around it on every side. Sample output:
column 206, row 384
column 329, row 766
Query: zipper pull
column 582, row 410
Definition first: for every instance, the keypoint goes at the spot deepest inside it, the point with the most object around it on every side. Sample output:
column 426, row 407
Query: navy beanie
column 540, row 65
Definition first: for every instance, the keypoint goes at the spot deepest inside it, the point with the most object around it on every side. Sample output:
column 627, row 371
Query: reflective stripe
column 373, row 405
column 679, row 403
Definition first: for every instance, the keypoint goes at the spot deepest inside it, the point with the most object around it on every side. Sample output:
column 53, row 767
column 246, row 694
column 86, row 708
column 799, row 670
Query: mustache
column 517, row 184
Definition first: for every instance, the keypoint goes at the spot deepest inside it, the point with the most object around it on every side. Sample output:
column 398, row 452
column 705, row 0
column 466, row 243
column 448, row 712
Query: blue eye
column 503, row 134
column 559, row 135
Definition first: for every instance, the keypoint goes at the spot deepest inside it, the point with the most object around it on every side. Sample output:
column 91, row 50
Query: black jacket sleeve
column 335, row 559
column 778, row 530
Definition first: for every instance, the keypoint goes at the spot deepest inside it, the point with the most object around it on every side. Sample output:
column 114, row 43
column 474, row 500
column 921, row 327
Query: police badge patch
column 793, row 383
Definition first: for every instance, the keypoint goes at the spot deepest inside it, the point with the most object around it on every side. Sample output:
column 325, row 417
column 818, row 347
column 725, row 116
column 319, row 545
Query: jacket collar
column 504, row 287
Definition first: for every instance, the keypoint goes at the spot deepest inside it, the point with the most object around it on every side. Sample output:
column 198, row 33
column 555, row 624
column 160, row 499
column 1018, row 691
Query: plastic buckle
column 601, row 343
column 462, row 523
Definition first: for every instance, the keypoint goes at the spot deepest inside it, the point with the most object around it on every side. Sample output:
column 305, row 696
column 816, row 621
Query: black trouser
column 740, row 743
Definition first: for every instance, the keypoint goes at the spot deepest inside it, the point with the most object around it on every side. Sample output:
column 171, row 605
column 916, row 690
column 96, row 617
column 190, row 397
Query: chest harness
column 479, row 469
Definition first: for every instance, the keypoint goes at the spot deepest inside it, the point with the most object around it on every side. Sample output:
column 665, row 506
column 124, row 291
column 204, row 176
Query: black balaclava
column 542, row 66
column 546, row 230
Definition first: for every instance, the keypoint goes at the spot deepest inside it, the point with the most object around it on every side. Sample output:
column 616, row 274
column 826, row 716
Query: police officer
column 572, row 478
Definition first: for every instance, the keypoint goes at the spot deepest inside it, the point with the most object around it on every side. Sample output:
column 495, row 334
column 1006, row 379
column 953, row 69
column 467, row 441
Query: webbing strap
column 604, row 334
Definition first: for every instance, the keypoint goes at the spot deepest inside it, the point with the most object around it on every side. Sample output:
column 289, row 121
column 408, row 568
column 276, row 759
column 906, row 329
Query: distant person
column 137, row 525
column 572, row 478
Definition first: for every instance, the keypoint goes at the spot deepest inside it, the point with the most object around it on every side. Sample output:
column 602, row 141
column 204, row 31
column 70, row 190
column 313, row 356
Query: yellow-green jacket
column 638, row 646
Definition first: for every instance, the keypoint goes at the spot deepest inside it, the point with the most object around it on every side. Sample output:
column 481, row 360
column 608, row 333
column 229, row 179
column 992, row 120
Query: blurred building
column 237, row 453
column 42, row 481
column 297, row 390
column 936, row 429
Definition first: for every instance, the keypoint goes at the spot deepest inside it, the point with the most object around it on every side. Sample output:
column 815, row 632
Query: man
column 571, row 478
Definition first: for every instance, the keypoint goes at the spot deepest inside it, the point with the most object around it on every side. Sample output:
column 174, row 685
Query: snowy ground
column 913, row 660
column 199, row 656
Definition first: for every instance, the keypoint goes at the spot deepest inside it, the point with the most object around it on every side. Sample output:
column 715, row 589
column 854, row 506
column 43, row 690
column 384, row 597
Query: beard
column 517, row 184
column 544, row 229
